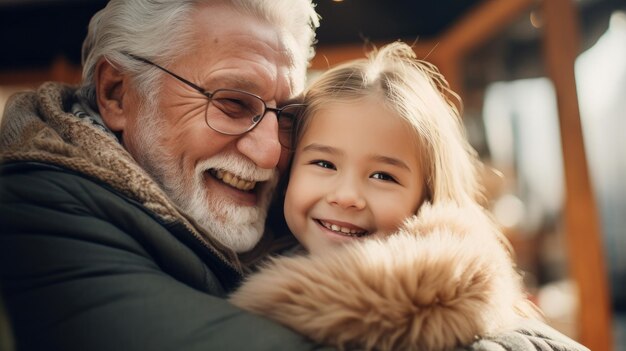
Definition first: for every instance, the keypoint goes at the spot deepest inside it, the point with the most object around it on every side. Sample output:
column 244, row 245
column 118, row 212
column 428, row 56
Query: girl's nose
column 347, row 195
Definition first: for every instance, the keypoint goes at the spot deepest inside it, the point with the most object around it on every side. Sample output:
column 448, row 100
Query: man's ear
column 111, row 85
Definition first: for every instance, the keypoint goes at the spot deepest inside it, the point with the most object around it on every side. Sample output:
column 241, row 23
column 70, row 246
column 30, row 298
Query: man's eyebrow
column 298, row 99
column 238, row 83
column 233, row 83
column 390, row 161
column 322, row 148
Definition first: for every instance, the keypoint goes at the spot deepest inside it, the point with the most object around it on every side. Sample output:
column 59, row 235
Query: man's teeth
column 233, row 180
column 343, row 230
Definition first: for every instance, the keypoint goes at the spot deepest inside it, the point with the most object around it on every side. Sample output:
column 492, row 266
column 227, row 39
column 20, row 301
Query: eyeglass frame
column 209, row 95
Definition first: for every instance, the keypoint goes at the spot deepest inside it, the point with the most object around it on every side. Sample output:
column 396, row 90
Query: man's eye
column 384, row 176
column 234, row 108
column 323, row 164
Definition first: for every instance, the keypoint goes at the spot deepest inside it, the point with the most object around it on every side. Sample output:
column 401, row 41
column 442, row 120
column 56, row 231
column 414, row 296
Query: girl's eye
column 384, row 176
column 323, row 164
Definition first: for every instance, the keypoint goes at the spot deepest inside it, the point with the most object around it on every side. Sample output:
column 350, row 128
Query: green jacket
column 93, row 255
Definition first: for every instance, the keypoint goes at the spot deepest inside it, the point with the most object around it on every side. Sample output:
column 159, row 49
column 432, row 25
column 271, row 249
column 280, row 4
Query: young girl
column 380, row 154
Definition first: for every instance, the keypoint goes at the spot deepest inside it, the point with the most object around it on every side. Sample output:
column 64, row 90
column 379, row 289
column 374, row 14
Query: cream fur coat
column 444, row 280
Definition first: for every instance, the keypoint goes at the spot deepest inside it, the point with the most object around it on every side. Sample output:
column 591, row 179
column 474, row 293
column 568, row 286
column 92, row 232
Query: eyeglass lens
column 241, row 111
column 288, row 117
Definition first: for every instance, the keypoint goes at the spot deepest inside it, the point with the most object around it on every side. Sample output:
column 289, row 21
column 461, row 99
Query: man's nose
column 347, row 195
column 261, row 144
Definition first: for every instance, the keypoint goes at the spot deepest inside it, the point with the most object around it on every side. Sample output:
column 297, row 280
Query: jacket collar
column 38, row 127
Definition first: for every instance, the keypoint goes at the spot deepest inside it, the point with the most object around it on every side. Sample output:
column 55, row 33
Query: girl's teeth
column 343, row 230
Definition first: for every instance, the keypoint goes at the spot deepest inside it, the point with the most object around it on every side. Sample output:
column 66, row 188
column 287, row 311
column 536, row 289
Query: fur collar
column 36, row 127
column 443, row 280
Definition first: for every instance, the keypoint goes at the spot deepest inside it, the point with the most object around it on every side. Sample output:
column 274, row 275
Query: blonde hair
column 419, row 94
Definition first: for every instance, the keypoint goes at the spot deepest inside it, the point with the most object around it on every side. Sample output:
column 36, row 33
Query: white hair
column 160, row 29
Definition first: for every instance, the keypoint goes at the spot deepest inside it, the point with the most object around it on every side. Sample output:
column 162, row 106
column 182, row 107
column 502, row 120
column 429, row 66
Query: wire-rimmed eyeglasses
column 241, row 111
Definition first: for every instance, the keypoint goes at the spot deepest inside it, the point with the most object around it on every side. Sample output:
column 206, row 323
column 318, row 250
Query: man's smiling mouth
column 353, row 232
column 233, row 180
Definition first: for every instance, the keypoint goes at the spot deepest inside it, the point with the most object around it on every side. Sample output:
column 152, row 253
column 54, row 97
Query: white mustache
column 241, row 167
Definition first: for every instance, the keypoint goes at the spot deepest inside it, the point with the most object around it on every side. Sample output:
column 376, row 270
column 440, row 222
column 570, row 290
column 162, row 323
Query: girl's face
column 356, row 173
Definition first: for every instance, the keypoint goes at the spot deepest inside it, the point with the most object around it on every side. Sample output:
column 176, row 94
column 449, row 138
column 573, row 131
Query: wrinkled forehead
column 296, row 60
column 226, row 32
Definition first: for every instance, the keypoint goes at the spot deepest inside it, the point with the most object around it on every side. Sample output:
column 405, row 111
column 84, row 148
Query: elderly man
column 126, row 202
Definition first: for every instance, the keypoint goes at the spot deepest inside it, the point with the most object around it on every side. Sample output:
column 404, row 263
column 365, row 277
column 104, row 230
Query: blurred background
column 543, row 84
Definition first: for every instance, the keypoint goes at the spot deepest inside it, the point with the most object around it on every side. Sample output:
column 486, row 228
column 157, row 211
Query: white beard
column 238, row 227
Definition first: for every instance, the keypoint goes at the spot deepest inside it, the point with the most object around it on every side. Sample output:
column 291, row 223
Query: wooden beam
column 583, row 236
column 480, row 24
column 446, row 51
column 331, row 55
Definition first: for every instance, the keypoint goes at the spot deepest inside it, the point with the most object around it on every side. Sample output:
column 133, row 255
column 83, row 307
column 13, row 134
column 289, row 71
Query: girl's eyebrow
column 375, row 157
column 322, row 148
column 390, row 161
